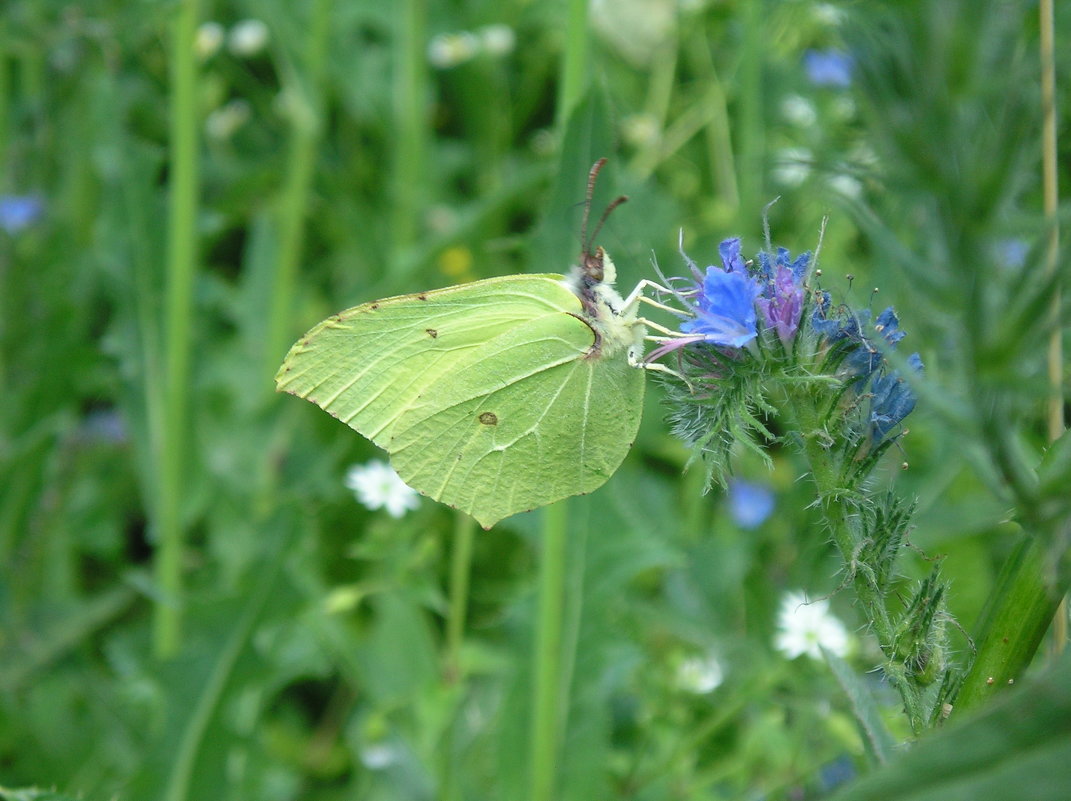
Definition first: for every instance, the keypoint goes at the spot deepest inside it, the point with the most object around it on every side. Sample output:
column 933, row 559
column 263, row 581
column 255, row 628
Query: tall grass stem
column 574, row 62
column 306, row 124
column 547, row 688
column 410, row 122
column 182, row 254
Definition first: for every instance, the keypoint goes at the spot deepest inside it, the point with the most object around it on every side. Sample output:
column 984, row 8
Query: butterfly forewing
column 366, row 365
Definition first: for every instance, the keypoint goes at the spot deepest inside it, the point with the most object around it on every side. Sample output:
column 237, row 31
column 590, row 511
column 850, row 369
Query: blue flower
column 781, row 303
column 729, row 250
column 891, row 400
column 749, row 504
column 866, row 358
column 828, row 68
column 725, row 308
column 19, row 211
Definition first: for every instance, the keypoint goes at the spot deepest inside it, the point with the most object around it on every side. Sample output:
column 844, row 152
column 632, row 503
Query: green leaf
column 877, row 738
column 1020, row 747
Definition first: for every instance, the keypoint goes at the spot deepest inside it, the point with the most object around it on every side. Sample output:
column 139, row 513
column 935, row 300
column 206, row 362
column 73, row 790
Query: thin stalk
column 574, row 62
column 306, row 124
column 547, row 689
column 410, row 122
column 751, row 137
column 460, row 570
column 171, row 458
column 1051, row 200
column 838, row 514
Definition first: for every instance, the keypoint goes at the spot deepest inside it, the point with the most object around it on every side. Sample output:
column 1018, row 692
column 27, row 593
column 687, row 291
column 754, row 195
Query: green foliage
column 313, row 657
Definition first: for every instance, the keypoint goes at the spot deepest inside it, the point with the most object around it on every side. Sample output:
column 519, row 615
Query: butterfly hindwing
column 531, row 421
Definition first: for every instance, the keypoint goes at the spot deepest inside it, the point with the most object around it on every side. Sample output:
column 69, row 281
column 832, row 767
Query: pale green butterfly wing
column 487, row 395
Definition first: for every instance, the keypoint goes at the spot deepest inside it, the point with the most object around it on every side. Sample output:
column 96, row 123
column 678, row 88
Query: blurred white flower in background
column 208, row 40
column 846, row 185
column 248, row 37
column 806, row 628
column 222, row 122
column 497, row 40
column 378, row 756
column 792, row 166
column 447, row 50
column 700, row 674
column 799, row 111
column 378, row 486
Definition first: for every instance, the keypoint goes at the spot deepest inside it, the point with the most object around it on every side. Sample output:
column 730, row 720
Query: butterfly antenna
column 593, row 175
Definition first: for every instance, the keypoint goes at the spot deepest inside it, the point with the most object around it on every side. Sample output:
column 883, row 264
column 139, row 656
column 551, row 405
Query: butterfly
column 496, row 396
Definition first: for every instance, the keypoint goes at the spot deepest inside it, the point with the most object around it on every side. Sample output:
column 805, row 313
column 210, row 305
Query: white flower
column 378, row 487
column 793, row 166
column 450, row 49
column 248, row 37
column 799, row 111
column 208, row 40
column 806, row 628
column 497, row 40
column 222, row 122
column 377, row 756
column 847, row 185
column 700, row 674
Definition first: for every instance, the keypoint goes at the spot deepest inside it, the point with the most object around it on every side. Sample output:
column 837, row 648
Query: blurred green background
column 193, row 604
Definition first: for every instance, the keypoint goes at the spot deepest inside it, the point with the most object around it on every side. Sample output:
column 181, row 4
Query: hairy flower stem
column 840, row 509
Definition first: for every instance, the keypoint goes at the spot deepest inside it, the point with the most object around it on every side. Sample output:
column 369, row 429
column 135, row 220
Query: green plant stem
column 839, row 514
column 751, row 139
column 171, row 457
column 460, row 570
column 306, row 124
column 546, row 699
column 1013, row 623
column 574, row 63
column 410, row 121
column 1051, row 202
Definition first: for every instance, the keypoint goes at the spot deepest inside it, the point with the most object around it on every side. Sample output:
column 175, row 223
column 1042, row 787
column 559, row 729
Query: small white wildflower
column 248, row 37
column 828, row 14
column 846, row 185
column 799, row 111
column 497, row 40
column 377, row 756
column 208, row 40
column 450, row 49
column 225, row 120
column 806, row 628
column 640, row 130
column 700, row 674
column 378, row 486
column 793, row 166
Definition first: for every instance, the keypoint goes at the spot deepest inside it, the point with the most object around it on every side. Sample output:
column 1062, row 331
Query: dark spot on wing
column 431, row 332
column 374, row 306
column 421, row 296
column 489, row 418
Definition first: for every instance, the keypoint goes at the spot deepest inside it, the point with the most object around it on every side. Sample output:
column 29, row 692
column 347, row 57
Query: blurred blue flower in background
column 749, row 503
column 20, row 211
column 828, row 68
